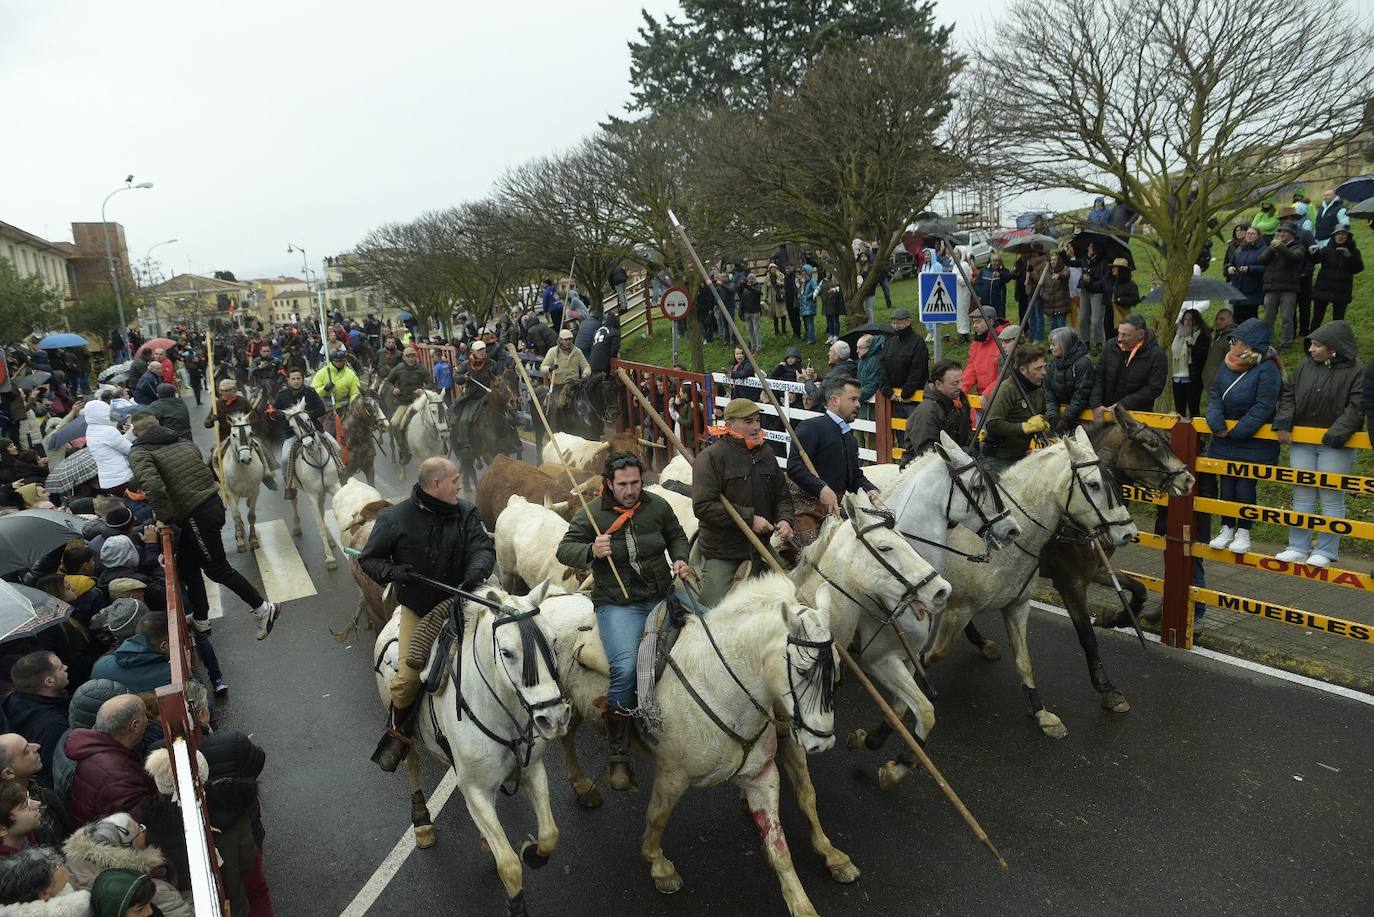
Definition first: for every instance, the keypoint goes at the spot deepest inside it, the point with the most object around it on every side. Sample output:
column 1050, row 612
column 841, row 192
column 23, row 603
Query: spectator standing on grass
column 1246, row 273
column 1187, row 357
column 1327, row 393
column 1265, row 221
column 1068, row 379
column 1054, row 292
column 990, row 286
column 871, row 374
column 1132, row 372
column 1246, row 390
column 1222, row 325
column 806, row 301
column 1284, row 260
column 1120, row 292
column 1340, row 260
column 751, row 310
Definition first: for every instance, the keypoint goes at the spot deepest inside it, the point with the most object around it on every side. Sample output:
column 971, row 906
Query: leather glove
column 1037, row 424
column 403, row 574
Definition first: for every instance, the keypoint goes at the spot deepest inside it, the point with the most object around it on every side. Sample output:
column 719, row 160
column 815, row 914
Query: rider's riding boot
column 620, row 773
column 402, row 446
column 392, row 749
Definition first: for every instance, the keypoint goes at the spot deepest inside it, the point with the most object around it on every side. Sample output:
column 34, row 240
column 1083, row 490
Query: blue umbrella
column 1352, row 191
column 404, row 316
column 62, row 339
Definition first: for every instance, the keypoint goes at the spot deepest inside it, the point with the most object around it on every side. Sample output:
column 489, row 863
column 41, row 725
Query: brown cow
column 507, row 477
column 590, row 481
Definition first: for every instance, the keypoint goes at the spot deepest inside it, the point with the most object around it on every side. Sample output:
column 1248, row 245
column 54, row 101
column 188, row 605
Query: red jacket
column 109, row 778
column 982, row 368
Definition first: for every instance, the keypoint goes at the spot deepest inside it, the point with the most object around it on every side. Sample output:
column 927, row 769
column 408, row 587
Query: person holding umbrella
column 1339, row 261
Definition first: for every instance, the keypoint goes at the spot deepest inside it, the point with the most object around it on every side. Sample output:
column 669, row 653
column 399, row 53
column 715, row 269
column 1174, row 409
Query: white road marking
column 213, row 596
column 1281, row 674
column 284, row 576
column 370, row 892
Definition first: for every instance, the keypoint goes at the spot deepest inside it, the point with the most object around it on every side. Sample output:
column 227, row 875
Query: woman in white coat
column 108, row 446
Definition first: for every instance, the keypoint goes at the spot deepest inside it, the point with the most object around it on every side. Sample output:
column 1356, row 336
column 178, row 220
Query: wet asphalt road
column 1221, row 792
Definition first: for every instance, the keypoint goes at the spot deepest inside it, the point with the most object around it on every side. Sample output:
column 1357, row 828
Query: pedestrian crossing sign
column 939, row 303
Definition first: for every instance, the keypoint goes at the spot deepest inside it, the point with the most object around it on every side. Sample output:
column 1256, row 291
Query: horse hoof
column 424, row 836
column 989, row 650
column 1051, row 725
column 890, row 774
column 254, row 543
column 856, row 739
column 669, row 885
column 1116, row 702
column 588, row 797
column 515, row 907
column 331, row 564
column 296, row 530
column 529, row 852
column 845, row 872
column 240, row 547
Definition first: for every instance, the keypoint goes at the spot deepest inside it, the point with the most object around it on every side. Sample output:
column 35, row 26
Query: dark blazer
column 835, row 454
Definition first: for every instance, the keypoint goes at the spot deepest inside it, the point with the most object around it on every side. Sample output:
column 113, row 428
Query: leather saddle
column 667, row 620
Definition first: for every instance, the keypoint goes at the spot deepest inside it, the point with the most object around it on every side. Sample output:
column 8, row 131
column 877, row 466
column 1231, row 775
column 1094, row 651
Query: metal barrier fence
column 182, row 732
column 1176, row 544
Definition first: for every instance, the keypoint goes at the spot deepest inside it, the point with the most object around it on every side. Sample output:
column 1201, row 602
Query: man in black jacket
column 436, row 535
column 943, row 410
column 171, row 411
column 617, row 281
column 37, row 707
column 906, row 363
column 1132, row 372
column 605, row 344
column 832, row 447
column 145, row 390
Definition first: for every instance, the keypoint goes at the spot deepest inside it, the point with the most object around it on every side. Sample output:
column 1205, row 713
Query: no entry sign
column 674, row 303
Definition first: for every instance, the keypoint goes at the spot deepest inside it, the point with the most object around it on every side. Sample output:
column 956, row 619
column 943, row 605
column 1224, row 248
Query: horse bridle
column 1162, row 469
column 984, row 530
column 246, row 435
column 1110, row 489
column 533, row 647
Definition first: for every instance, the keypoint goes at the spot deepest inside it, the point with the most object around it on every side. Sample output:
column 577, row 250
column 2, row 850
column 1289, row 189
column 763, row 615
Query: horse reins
column 984, row 531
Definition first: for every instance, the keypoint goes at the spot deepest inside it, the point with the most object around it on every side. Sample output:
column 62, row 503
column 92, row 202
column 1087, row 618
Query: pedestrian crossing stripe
column 284, row 576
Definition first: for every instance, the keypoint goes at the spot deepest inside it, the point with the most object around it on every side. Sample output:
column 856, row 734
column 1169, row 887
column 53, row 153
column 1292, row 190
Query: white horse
column 766, row 656
column 498, row 710
column 243, row 463
column 315, row 471
column 1064, row 480
column 427, row 430
column 527, row 535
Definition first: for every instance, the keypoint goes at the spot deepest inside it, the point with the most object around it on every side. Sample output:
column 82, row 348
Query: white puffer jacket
column 108, row 446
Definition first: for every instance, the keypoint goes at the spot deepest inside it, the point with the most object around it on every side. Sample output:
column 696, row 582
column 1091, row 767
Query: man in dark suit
column 830, row 442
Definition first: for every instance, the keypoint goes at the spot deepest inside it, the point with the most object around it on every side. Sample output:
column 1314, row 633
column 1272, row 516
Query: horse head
column 1142, row 454
column 876, row 554
column 241, row 435
column 368, row 406
column 974, row 500
column 435, row 413
column 811, row 676
column 1094, row 497
column 521, row 643
column 299, row 423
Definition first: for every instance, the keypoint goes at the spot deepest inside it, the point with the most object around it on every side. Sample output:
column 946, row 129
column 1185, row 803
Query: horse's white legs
column 317, row 509
column 419, row 812
column 1015, row 617
column 296, row 513
column 892, row 671
column 793, row 758
column 761, row 792
column 253, row 520
column 668, row 789
column 239, row 545
column 536, row 854
column 481, row 807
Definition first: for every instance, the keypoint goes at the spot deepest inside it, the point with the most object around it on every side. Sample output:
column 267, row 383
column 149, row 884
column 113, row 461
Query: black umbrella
column 24, row 611
column 852, row 337
column 932, row 226
column 33, row 380
column 1364, row 208
column 1200, row 287
column 1112, row 246
column 27, row 537
column 1356, row 189
column 1021, row 245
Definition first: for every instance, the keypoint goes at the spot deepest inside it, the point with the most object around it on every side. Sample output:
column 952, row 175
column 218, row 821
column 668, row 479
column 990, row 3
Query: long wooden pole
column 563, row 460
column 214, row 400
column 888, row 713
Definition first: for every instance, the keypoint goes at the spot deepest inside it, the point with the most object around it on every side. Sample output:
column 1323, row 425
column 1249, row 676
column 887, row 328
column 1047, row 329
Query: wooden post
column 888, row 713
column 1176, row 624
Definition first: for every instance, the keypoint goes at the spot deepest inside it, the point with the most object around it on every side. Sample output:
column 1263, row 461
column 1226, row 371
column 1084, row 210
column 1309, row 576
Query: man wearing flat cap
column 739, row 466
column 906, row 363
column 563, row 366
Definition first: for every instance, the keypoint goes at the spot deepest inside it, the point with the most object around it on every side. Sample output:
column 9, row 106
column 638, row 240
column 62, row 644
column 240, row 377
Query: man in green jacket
column 1017, row 412
column 636, row 528
column 182, row 491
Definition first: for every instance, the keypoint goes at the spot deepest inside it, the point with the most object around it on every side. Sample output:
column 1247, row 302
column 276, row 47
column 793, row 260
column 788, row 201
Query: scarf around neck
column 750, row 442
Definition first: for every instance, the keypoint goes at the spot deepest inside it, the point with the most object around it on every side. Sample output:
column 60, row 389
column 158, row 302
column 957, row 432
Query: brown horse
column 489, row 432
column 361, row 420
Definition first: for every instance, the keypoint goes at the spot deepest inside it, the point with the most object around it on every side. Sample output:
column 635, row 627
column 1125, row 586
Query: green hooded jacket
column 114, row 890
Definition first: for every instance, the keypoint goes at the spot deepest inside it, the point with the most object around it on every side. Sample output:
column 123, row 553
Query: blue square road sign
column 939, row 297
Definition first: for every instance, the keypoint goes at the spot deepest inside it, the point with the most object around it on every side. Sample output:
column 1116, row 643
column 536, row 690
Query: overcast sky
column 263, row 122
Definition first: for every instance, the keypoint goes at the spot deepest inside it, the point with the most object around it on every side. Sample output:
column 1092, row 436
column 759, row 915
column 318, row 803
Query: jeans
column 1036, row 330
column 286, row 450
column 1318, row 458
column 887, row 290
column 1090, row 318
column 869, row 302
column 1058, row 321
column 1238, row 490
column 1285, row 303
column 809, row 323
column 832, row 326
column 202, row 552
column 755, row 337
column 620, row 296
column 621, row 627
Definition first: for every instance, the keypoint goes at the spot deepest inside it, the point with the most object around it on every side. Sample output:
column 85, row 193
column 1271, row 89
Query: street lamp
column 109, row 255
column 148, row 274
column 305, row 266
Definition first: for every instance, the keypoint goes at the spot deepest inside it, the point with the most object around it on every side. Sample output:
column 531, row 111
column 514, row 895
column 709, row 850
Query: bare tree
column 1189, row 110
column 855, row 152
column 415, row 264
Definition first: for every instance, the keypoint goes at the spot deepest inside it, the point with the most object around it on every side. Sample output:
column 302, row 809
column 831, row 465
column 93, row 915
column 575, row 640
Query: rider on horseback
column 636, row 528
column 405, row 379
column 482, row 372
column 337, row 382
column 294, row 393
column 563, row 367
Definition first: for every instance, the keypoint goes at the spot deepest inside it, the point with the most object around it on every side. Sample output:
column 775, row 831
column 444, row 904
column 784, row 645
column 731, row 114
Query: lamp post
column 109, row 255
column 148, row 274
column 305, row 267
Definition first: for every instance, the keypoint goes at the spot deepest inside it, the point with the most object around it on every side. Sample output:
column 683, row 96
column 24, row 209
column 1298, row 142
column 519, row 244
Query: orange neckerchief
column 1130, row 354
column 749, row 442
column 623, row 516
